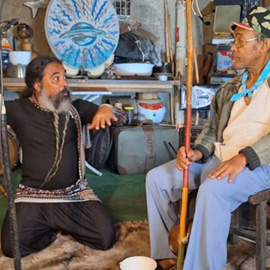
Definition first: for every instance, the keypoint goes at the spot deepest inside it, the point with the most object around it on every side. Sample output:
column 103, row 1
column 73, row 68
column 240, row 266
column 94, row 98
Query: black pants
column 38, row 223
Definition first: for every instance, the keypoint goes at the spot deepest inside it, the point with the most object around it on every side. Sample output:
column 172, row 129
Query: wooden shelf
column 97, row 85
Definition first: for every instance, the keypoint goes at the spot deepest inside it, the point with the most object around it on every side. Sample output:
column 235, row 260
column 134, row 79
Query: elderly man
column 230, row 159
column 53, row 194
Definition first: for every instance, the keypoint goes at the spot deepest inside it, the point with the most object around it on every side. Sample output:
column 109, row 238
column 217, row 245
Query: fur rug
column 133, row 240
column 67, row 254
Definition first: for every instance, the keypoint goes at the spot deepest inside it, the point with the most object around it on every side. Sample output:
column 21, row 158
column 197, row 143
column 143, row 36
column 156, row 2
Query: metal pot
column 16, row 71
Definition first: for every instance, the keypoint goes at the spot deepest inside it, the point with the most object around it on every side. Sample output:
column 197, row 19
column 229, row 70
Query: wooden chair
column 256, row 231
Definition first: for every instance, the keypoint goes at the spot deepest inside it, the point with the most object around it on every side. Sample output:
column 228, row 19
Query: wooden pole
column 168, row 39
column 170, row 44
column 167, row 30
column 190, row 62
column 180, row 41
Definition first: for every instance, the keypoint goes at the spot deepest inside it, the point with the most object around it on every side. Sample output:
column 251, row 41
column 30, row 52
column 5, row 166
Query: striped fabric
column 75, row 193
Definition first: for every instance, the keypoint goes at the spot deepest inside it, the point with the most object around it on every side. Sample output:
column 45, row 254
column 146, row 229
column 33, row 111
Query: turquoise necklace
column 257, row 84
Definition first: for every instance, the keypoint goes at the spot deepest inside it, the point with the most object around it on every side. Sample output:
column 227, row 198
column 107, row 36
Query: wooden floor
column 242, row 256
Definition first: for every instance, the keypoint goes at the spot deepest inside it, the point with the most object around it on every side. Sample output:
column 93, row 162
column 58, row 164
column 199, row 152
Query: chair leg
column 261, row 235
column 233, row 236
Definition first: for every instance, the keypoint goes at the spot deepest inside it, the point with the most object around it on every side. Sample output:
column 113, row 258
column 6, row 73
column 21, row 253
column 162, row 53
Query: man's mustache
column 66, row 92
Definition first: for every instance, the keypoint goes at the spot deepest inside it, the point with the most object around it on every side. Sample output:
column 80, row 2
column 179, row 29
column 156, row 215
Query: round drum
column 14, row 148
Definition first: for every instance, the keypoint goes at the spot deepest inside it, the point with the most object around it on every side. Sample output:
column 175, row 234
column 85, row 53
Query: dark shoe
column 166, row 264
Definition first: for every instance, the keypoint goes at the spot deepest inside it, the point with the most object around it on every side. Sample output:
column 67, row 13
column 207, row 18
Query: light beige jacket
column 257, row 154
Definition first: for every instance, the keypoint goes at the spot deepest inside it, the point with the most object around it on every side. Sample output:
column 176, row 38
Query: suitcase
column 137, row 149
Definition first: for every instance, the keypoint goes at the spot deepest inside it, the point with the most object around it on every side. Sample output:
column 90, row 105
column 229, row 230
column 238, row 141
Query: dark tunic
column 38, row 223
column 36, row 132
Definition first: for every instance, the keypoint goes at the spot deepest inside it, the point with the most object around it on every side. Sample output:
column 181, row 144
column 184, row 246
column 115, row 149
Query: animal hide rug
column 67, row 254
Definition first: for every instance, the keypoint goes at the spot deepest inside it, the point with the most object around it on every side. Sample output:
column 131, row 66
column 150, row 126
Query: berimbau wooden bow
column 182, row 240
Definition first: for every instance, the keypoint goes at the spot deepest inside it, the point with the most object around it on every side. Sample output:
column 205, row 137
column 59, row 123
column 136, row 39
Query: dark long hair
column 35, row 72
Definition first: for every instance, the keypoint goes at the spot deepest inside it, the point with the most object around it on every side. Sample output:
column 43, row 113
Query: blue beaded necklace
column 257, row 84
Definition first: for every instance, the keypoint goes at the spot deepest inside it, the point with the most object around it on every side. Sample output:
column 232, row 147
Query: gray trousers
column 216, row 199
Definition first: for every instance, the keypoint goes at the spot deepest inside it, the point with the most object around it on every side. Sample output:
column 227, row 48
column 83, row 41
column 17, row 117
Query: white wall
column 150, row 13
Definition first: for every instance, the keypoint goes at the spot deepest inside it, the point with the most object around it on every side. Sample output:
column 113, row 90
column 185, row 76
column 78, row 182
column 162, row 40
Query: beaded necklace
column 37, row 104
column 76, row 117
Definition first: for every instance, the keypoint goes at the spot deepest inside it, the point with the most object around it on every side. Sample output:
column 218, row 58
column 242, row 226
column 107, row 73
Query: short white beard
column 46, row 102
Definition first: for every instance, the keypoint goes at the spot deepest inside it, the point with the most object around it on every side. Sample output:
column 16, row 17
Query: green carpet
column 123, row 195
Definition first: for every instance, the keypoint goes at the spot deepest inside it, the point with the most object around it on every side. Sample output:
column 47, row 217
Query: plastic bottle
column 6, row 46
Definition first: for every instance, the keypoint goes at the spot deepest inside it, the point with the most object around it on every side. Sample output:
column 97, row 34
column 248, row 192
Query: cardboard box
column 224, row 16
column 224, row 60
column 210, row 49
column 208, row 27
column 208, row 14
column 208, row 9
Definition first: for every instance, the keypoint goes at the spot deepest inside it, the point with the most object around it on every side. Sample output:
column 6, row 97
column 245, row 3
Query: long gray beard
column 59, row 104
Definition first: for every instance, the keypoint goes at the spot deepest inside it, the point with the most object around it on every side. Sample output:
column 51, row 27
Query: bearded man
column 53, row 194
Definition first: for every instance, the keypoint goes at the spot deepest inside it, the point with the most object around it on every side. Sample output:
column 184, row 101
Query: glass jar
column 129, row 110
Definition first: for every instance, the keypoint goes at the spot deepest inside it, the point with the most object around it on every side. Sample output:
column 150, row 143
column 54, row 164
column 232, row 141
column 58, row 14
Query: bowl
column 133, row 69
column 138, row 263
column 20, row 57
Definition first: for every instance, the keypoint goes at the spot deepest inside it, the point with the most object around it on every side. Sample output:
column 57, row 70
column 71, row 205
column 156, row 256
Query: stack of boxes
column 217, row 17
column 217, row 35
